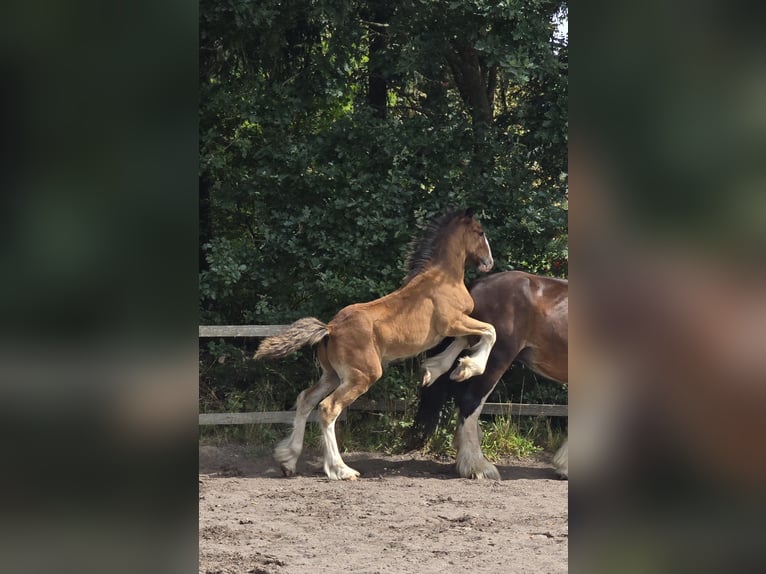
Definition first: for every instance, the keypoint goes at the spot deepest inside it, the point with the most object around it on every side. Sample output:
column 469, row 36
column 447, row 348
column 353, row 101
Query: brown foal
column 433, row 303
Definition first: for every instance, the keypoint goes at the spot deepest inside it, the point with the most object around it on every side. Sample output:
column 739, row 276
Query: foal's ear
column 469, row 212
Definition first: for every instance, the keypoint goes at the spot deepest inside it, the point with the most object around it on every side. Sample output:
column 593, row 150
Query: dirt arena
column 406, row 514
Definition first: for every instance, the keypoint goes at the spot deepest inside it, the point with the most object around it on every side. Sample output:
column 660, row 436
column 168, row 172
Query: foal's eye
column 481, row 234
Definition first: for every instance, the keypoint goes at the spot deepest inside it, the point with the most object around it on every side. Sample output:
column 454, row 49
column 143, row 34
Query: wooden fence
column 367, row 405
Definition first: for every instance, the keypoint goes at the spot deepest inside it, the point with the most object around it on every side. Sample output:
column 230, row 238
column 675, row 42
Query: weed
column 502, row 437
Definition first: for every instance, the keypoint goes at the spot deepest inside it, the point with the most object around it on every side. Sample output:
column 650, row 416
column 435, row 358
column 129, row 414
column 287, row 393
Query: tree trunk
column 436, row 102
column 476, row 84
column 377, row 88
column 472, row 81
column 205, row 221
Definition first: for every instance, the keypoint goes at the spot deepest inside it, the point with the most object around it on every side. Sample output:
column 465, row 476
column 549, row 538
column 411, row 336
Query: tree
column 329, row 129
column 287, row 130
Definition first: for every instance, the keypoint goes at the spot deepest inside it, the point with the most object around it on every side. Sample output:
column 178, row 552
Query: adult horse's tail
column 307, row 331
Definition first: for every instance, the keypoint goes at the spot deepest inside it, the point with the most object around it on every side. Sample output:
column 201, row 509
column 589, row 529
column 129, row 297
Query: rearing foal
column 433, row 303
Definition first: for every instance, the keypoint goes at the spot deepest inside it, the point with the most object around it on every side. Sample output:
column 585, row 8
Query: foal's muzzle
column 486, row 265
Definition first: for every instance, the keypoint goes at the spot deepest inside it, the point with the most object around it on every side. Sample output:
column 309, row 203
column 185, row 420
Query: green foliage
column 441, row 442
column 223, row 272
column 313, row 197
column 521, row 385
column 502, row 437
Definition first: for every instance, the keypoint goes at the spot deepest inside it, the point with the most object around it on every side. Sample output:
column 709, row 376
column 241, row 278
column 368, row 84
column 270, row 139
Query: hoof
column 485, row 471
column 427, row 378
column 286, row 457
column 342, row 473
column 472, row 464
column 458, row 375
column 492, row 474
column 465, row 369
column 488, row 472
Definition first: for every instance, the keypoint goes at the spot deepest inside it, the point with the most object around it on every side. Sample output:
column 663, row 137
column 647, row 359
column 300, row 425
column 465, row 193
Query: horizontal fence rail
column 263, row 417
column 286, row 417
column 240, row 330
column 367, row 405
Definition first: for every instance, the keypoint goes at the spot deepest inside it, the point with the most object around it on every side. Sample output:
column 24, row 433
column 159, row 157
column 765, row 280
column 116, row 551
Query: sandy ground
column 406, row 514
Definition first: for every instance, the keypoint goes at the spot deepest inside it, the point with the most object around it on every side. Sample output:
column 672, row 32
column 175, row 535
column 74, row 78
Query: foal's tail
column 307, row 331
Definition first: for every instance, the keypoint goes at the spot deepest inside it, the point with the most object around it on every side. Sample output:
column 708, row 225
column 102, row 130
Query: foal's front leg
column 475, row 363
column 434, row 367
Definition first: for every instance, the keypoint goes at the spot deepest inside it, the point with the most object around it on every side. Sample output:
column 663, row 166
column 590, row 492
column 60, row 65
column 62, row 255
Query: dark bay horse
column 530, row 315
column 433, row 303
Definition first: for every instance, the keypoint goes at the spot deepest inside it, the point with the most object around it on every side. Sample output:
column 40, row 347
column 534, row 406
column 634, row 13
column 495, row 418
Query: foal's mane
column 422, row 249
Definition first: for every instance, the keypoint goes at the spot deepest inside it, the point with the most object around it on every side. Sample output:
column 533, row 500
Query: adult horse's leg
column 561, row 460
column 470, row 398
column 286, row 453
column 469, row 460
column 551, row 362
column 355, row 382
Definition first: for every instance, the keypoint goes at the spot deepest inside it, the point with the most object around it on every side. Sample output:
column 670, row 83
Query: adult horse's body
column 353, row 347
column 530, row 315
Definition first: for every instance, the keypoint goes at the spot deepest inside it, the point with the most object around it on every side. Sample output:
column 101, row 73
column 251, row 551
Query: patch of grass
column 551, row 438
column 441, row 442
column 255, row 434
column 520, row 437
column 380, row 432
column 262, row 437
column 502, row 437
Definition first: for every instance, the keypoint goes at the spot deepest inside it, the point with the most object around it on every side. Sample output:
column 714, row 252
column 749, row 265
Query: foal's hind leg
column 355, row 383
column 286, row 453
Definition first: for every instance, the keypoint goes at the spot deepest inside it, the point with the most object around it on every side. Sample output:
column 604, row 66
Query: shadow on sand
column 239, row 462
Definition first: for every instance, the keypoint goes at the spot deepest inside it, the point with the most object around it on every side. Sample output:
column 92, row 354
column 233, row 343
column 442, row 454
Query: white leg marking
column 334, row 467
column 434, row 367
column 475, row 363
column 470, row 460
column 288, row 450
column 561, row 460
